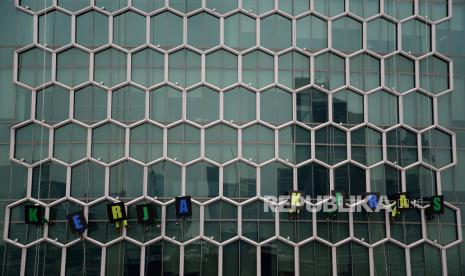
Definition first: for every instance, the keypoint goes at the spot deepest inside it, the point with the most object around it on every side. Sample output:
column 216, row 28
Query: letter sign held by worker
column 34, row 214
column 145, row 214
column 77, row 222
column 295, row 205
column 117, row 213
column 372, row 200
column 436, row 204
column 183, row 206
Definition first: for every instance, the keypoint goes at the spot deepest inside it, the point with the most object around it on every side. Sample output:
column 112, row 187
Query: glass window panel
column 220, row 221
column 34, row 67
column 221, row 68
column 83, row 258
column 276, row 179
column 108, row 142
column 183, row 143
column 312, row 106
column 185, row 229
column 366, row 146
column 425, row 260
column 315, row 259
column 148, row 5
column 92, row 29
column 239, row 258
column 165, row 105
column 418, row 110
column 365, row 72
column 184, row 68
column 239, row 31
column 202, row 180
column 329, row 71
column 398, row 9
column 399, row 73
column 201, row 258
column 203, row 105
column 48, row 182
column 416, row 37
column 147, row 67
column 239, row 181
column 347, row 34
column 126, row 180
column 401, row 147
column 352, row 258
column 123, row 258
column 52, row 105
column 382, row 109
column 364, row 8
column 43, row 257
column 203, row 30
column 258, row 224
column 294, row 7
column 73, row 67
column 277, row 258
column 294, row 70
column 164, row 180
column 146, row 143
column 348, row 108
column 389, row 259
column 329, row 7
column 386, row 180
column 87, row 181
column 276, row 32
column 239, row 106
column 257, row 69
column 128, row 104
column 166, row 30
column 294, row 144
column 330, row 145
column 258, row 6
column 185, row 6
column 157, row 262
column 90, row 104
column 110, row 67
column 313, row 180
column 350, row 179
column 70, row 143
column 54, row 29
column 31, row 143
column 257, row 143
column 221, row 143
column 278, row 105
column 381, row 36
column 311, row 33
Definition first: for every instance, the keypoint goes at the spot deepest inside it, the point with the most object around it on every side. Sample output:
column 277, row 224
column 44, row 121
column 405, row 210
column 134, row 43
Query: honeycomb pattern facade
column 231, row 102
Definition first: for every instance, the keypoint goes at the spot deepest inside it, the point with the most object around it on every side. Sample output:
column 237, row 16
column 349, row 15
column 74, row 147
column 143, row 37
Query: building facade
column 231, row 102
